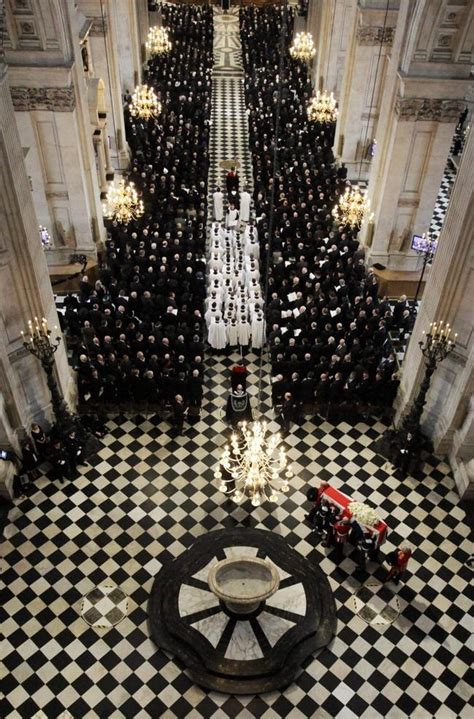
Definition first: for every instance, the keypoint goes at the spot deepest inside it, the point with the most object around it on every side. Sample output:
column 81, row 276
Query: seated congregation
column 327, row 330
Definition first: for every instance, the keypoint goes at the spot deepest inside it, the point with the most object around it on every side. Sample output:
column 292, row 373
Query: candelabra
column 39, row 343
column 435, row 346
column 352, row 208
column 426, row 247
column 403, row 446
column 251, row 466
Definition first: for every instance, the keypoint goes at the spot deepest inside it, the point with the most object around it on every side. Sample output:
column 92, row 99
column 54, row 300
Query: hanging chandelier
column 352, row 207
column 303, row 47
column 322, row 108
column 122, row 203
column 145, row 103
column 254, row 464
column 158, row 42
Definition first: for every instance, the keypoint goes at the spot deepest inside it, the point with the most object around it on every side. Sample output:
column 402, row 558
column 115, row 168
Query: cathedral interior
column 225, row 211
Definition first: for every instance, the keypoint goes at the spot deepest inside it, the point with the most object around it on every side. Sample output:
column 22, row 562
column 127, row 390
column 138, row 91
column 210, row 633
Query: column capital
column 433, row 109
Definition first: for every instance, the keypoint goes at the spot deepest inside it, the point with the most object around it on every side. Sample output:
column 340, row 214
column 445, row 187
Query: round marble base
column 230, row 652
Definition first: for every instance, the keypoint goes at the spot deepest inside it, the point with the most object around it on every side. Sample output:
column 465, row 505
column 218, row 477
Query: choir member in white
column 245, row 205
column 234, row 306
column 218, row 198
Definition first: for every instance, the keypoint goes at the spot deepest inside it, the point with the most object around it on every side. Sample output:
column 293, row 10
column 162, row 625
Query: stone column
column 52, row 115
column 129, row 43
column 330, row 22
column 371, row 36
column 419, row 110
column 448, row 297
column 403, row 198
column 25, row 288
column 143, row 26
column 105, row 49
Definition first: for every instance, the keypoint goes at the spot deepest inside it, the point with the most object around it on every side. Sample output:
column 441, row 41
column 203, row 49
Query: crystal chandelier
column 352, row 208
column 254, row 466
column 122, row 203
column 145, row 103
column 322, row 108
column 158, row 42
column 303, row 47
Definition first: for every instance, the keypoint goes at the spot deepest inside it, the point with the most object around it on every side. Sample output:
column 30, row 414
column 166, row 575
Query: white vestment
column 258, row 330
column 232, row 219
column 218, row 206
column 217, row 333
column 245, row 206
column 243, row 332
column 232, row 333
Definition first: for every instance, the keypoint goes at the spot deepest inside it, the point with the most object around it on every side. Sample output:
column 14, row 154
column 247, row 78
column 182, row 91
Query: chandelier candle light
column 254, row 463
column 145, row 103
column 158, row 42
column 122, row 203
column 303, row 47
column 353, row 206
column 322, row 108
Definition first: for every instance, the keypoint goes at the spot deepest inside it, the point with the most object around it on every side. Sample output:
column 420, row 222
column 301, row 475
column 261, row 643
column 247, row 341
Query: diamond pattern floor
column 145, row 500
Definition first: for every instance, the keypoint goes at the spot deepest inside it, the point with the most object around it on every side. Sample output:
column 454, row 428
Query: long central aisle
column 228, row 145
column 229, row 131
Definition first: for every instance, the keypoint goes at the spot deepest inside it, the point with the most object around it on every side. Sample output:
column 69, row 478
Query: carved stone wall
column 418, row 108
column 375, row 35
column 25, row 287
column 57, row 99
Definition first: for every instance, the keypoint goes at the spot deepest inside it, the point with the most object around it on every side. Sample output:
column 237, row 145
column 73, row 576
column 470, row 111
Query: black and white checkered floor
column 146, row 499
column 229, row 131
column 442, row 200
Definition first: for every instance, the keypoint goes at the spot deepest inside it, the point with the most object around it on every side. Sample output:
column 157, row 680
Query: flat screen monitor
column 417, row 243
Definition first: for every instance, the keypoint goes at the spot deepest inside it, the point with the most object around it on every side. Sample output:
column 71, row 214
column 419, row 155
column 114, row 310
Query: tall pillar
column 51, row 112
column 105, row 44
column 129, row 42
column 448, row 297
column 371, row 37
column 330, row 22
column 25, row 289
column 423, row 95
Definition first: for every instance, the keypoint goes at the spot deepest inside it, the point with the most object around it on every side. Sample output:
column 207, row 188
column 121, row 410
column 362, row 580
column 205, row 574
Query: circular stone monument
column 289, row 611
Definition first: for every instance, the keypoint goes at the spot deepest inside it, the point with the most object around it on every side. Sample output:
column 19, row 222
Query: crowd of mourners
column 328, row 331
column 139, row 327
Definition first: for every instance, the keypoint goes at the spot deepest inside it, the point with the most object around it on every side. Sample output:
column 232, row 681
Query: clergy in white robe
column 232, row 218
column 243, row 330
column 218, row 198
column 258, row 330
column 232, row 333
column 245, row 205
column 217, row 333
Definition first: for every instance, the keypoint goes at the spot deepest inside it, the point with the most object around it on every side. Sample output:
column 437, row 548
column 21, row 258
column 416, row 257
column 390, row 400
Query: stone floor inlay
column 105, row 606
